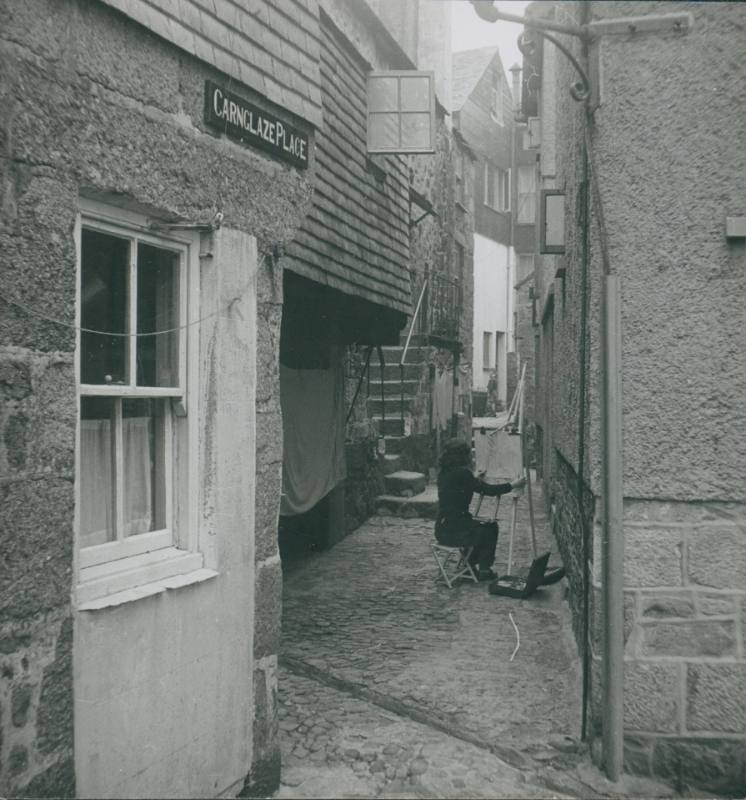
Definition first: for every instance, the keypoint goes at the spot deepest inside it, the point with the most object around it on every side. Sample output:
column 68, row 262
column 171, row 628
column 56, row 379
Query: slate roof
column 468, row 67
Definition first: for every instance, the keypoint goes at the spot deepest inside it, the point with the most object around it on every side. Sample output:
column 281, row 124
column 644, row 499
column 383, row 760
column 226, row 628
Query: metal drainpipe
column 612, row 544
column 613, row 540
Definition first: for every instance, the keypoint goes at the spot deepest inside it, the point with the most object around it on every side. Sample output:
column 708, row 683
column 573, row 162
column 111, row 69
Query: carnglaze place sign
column 253, row 125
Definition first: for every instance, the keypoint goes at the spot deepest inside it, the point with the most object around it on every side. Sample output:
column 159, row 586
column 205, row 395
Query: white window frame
column 524, row 195
column 487, row 351
column 401, row 77
column 499, row 180
column 116, row 566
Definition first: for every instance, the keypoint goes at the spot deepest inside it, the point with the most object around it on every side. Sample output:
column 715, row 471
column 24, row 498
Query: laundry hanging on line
column 443, row 399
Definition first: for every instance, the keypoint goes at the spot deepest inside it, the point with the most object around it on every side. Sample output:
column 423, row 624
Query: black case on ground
column 514, row 586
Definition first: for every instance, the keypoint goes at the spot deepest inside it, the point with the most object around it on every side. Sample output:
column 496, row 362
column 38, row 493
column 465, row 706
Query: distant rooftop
column 468, row 68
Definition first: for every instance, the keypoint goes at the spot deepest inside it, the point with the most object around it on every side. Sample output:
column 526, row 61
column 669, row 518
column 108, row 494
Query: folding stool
column 444, row 556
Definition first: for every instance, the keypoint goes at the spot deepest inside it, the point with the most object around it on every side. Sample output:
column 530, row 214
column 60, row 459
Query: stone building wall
column 439, row 242
column 94, row 104
column 668, row 179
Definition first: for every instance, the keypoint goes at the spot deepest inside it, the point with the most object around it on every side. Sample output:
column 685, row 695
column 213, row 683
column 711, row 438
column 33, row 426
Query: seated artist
column 455, row 526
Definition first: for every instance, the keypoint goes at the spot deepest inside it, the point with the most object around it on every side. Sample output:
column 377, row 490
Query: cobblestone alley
column 393, row 685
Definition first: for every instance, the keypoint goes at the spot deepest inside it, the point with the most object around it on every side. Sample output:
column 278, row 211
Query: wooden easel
column 516, row 420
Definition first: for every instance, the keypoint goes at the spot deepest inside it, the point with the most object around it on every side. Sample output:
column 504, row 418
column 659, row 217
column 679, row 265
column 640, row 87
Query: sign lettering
column 252, row 125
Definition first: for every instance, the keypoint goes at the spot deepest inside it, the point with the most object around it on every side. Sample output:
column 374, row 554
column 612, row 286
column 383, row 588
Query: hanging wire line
column 33, row 313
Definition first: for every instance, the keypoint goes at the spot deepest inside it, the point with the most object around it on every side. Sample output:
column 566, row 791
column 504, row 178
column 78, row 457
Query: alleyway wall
column 669, row 164
column 94, row 104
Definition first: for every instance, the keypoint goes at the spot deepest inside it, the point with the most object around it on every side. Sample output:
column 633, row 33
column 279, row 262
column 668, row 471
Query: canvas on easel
column 498, row 455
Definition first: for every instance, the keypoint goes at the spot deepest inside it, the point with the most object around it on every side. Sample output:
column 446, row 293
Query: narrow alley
column 286, row 286
column 393, row 685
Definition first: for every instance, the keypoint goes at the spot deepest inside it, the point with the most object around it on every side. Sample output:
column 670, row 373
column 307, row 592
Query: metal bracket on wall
column 588, row 89
column 681, row 22
column 422, row 201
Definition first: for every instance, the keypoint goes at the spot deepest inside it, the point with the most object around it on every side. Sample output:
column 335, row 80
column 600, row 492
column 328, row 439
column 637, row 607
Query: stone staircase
column 407, row 493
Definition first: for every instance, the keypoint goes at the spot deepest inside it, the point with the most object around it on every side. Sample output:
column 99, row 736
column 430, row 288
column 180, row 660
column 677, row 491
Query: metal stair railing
column 406, row 348
column 444, row 306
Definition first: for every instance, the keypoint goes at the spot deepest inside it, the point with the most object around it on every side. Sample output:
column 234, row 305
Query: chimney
column 515, row 71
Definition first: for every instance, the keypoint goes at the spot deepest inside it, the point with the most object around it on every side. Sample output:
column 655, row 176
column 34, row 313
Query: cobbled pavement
column 392, row 685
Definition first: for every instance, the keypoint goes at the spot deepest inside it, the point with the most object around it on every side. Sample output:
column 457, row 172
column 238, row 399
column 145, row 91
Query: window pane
column 383, row 131
column 555, row 220
column 415, row 93
column 383, row 93
column 144, row 479
column 157, row 310
column 415, row 130
column 486, row 350
column 96, row 473
column 104, row 307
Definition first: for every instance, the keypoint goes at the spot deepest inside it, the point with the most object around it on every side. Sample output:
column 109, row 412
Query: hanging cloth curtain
column 313, row 423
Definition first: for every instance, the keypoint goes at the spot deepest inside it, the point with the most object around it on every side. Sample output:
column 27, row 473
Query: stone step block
column 423, row 505
column 392, row 427
column 405, row 484
column 393, row 388
column 416, row 340
column 392, row 462
column 395, row 444
column 392, row 372
column 392, row 354
column 393, row 406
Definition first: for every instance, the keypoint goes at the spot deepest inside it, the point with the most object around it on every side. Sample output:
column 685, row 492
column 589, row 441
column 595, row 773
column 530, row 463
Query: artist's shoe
column 486, row 575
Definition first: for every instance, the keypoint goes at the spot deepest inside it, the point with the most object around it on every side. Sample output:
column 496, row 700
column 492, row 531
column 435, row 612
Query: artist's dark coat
column 456, row 486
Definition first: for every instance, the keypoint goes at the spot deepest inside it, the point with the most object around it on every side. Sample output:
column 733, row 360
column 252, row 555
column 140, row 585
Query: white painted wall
column 493, row 296
column 163, row 685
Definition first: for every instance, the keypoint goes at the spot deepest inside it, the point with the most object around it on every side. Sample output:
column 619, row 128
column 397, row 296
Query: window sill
column 135, row 577
column 504, row 211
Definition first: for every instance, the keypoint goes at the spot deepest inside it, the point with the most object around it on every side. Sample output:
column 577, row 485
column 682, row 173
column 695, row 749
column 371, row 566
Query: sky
column 469, row 31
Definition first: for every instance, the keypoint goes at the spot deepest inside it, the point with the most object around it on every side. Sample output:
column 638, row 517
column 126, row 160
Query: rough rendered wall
column 268, row 572
column 434, row 246
column 92, row 103
column 670, row 164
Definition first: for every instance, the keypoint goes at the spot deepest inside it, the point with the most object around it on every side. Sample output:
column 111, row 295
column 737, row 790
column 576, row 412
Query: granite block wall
column 93, row 104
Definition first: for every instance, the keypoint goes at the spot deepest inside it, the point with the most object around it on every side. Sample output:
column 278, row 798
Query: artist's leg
column 486, row 544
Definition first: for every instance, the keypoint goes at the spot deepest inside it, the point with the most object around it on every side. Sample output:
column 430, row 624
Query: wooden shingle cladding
column 356, row 237
column 271, row 46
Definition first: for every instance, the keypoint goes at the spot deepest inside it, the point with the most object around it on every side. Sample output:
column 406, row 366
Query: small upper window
column 401, row 112
column 496, row 187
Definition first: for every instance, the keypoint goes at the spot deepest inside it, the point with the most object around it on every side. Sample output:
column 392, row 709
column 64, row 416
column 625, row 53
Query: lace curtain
column 96, row 489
